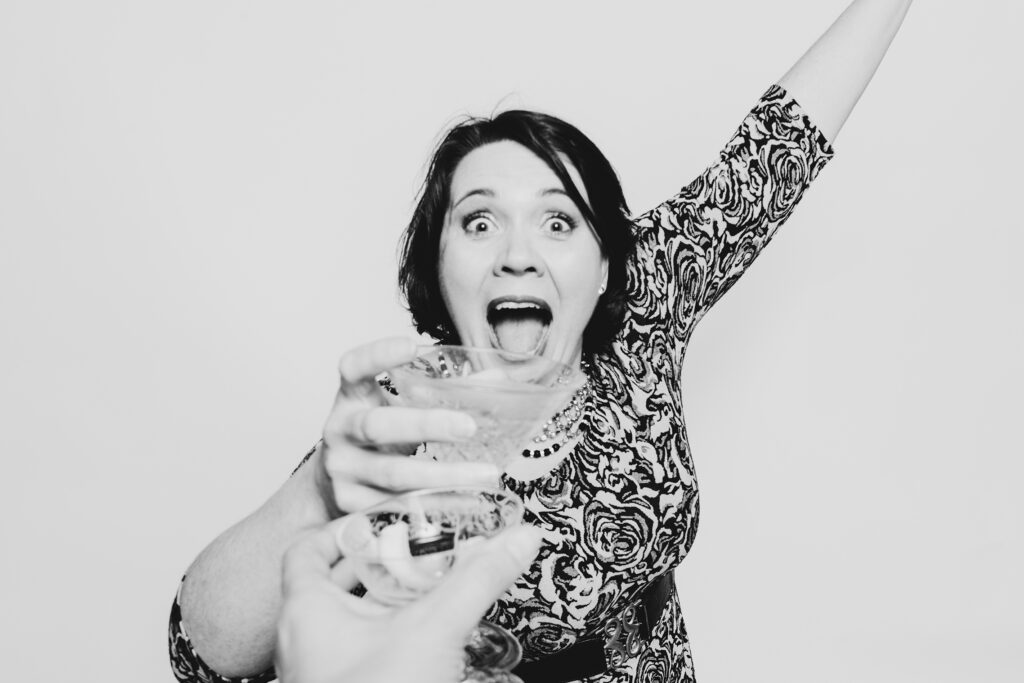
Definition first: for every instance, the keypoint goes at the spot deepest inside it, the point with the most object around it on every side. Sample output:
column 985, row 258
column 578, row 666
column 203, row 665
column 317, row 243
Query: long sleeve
column 693, row 247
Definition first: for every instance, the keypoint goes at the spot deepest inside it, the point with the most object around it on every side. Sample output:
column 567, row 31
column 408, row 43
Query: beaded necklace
column 564, row 426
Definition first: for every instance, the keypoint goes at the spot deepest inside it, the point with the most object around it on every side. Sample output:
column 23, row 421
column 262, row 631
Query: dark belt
column 623, row 636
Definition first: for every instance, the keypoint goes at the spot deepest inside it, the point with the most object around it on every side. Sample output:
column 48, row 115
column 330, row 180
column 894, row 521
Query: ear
column 604, row 273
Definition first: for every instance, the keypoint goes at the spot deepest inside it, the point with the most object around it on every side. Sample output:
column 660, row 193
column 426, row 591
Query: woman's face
column 520, row 268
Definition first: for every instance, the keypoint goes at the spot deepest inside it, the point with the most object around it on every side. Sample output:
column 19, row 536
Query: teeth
column 515, row 305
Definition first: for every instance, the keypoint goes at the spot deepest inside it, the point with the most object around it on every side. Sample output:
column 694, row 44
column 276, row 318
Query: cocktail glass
column 509, row 395
column 402, row 548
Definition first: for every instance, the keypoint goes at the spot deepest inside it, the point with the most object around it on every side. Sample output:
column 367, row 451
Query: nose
column 518, row 255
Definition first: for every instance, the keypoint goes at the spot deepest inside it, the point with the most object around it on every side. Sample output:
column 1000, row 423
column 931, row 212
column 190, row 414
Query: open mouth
column 519, row 323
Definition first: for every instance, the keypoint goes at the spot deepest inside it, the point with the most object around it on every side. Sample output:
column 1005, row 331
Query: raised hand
column 363, row 458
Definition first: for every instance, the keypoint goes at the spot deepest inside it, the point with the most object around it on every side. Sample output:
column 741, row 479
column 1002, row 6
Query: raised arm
column 694, row 246
column 831, row 76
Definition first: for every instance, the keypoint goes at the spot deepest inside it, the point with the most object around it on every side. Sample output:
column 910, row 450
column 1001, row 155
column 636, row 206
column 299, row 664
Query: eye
column 478, row 223
column 560, row 224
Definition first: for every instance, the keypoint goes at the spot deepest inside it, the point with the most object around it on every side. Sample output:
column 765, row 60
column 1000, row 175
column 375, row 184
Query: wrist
column 307, row 497
column 320, row 481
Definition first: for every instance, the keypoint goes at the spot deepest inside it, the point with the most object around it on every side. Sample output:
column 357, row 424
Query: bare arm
column 831, row 76
column 231, row 596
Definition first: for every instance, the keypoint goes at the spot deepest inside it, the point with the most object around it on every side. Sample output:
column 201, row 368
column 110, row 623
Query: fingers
column 475, row 584
column 350, row 496
column 358, row 416
column 361, row 478
column 358, row 462
column 343, row 575
column 394, row 425
column 365, row 362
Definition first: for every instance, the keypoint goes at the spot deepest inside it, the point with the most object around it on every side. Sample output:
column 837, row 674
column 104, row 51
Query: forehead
column 508, row 169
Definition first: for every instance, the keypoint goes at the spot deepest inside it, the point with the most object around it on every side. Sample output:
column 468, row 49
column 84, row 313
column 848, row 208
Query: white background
column 199, row 207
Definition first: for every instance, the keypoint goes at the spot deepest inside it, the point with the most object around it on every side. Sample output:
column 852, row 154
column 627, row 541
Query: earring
column 600, row 290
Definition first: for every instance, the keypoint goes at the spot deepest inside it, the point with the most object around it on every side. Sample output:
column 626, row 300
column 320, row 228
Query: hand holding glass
column 403, row 547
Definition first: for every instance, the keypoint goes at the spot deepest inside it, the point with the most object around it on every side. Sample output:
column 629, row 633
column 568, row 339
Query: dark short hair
column 547, row 137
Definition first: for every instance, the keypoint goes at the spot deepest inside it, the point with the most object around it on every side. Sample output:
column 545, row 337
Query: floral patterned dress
column 624, row 502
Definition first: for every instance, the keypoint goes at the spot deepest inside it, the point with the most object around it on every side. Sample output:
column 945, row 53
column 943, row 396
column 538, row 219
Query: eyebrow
column 485, row 192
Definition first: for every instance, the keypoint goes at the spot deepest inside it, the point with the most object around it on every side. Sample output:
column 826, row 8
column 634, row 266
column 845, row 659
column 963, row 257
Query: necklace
column 563, row 427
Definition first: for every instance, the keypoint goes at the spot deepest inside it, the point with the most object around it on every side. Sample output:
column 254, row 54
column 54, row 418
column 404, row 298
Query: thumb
column 475, row 584
column 308, row 561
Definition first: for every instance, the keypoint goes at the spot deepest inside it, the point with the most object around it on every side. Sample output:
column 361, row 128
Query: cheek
column 457, row 279
column 579, row 301
column 583, row 274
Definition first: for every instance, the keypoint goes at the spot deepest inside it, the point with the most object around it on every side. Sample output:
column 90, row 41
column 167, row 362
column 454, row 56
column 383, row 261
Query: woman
column 520, row 241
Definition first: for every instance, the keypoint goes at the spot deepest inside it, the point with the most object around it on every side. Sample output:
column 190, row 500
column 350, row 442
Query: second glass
column 403, row 547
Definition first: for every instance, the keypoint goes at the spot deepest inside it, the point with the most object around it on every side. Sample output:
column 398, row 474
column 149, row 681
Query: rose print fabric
column 624, row 502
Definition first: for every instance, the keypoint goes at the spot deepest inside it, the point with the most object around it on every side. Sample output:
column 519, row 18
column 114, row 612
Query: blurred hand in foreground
column 327, row 635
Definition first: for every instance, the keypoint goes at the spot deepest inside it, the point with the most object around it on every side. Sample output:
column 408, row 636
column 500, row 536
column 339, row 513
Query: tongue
column 519, row 335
